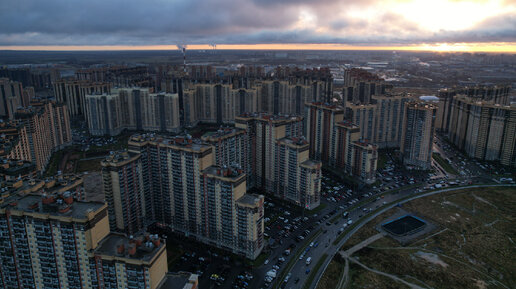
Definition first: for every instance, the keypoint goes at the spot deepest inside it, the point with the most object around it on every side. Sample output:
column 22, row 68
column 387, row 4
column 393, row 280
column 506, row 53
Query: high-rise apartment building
column 484, row 130
column 389, row 120
column 231, row 219
column 320, row 124
column 102, row 115
column 364, row 157
column 360, row 85
column 338, row 143
column 181, row 184
column 296, row 178
column 124, row 192
column 381, row 120
column 36, row 133
column 11, row 97
column 365, row 116
column 418, row 134
column 343, row 135
column 133, row 109
column 279, row 158
column 73, row 92
column 230, row 148
column 54, row 241
column 214, row 103
column 264, row 131
column 118, row 76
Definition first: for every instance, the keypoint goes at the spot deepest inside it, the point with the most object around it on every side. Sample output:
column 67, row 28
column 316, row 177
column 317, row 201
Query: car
column 275, row 267
column 296, row 280
column 288, row 277
column 307, row 271
column 266, row 262
column 312, row 244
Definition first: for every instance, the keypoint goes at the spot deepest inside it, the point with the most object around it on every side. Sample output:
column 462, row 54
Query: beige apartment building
column 418, row 134
column 55, row 241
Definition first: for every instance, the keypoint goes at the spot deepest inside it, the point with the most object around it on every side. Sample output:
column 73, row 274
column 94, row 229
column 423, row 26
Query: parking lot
column 288, row 227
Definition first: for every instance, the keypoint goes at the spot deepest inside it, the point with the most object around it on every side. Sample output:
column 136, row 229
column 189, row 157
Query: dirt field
column 473, row 246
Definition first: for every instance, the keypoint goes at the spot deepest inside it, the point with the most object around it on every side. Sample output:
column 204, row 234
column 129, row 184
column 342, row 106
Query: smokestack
column 184, row 59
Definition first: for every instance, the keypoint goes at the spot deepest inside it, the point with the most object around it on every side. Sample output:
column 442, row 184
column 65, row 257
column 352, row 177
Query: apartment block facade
column 230, row 148
column 364, row 157
column 280, row 158
column 124, row 192
column 132, row 109
column 381, row 120
column 320, row 122
column 54, row 241
column 483, row 129
column 297, row 178
column 11, row 97
column 73, row 93
column 418, row 134
column 341, row 149
column 36, row 133
column 180, row 184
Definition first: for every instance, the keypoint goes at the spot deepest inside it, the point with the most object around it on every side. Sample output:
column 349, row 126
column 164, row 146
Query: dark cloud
column 157, row 22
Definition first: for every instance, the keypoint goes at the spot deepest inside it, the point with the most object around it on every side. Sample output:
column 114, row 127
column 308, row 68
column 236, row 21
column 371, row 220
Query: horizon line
column 481, row 47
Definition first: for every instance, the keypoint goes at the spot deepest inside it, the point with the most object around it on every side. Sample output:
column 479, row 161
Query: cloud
column 159, row 22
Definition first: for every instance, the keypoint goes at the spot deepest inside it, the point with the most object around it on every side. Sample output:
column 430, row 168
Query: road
column 326, row 240
column 332, row 250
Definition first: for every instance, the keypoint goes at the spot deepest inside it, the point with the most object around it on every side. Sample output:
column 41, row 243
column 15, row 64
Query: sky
column 442, row 25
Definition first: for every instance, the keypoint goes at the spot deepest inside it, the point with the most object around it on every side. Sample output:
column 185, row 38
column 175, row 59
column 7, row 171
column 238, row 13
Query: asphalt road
column 332, row 250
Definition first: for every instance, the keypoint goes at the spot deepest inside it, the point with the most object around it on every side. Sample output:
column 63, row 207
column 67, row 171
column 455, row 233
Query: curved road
column 332, row 250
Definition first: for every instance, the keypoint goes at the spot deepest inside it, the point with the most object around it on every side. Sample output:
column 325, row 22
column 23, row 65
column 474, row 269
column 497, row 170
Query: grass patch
column 382, row 160
column 314, row 271
column 173, row 254
column 469, row 218
column 317, row 210
column 444, row 164
column 330, row 278
column 259, row 260
column 294, row 259
column 53, row 164
column 89, row 166
column 334, row 219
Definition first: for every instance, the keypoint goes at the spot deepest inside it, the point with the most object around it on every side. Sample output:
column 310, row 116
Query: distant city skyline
column 440, row 25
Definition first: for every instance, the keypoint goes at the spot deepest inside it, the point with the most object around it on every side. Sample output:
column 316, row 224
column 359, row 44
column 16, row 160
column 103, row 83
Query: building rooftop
column 222, row 133
column 422, row 105
column 365, row 144
column 347, row 124
column 14, row 168
column 326, row 106
column 270, row 117
column 180, row 141
column 142, row 248
column 298, row 142
column 250, row 200
column 119, row 158
column 180, row 280
column 232, row 172
column 62, row 205
column 310, row 163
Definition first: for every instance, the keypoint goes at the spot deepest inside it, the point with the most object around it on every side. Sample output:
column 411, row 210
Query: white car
column 266, row 262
